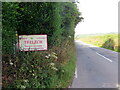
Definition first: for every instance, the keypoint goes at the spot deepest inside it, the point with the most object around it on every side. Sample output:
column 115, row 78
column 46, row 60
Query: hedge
column 44, row 69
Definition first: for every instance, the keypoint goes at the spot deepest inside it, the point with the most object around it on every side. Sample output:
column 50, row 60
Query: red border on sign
column 33, row 35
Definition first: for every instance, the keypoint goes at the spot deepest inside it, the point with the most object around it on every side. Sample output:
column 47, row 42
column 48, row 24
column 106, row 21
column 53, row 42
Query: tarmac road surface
column 95, row 67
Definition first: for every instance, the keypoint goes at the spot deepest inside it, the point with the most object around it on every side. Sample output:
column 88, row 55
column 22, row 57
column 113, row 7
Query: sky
column 100, row 16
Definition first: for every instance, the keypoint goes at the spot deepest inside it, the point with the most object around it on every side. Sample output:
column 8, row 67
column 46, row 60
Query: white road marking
column 76, row 73
column 104, row 57
column 108, row 85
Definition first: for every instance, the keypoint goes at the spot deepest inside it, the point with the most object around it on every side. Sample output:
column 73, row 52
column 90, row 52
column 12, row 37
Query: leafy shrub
column 109, row 44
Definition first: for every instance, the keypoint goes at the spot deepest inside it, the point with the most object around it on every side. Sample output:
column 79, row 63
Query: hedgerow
column 9, row 26
column 44, row 69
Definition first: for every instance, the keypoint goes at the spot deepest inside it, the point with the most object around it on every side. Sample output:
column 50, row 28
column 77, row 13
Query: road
column 95, row 67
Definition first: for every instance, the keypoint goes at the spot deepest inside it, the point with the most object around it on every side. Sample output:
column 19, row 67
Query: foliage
column 70, row 18
column 9, row 25
column 39, row 69
column 45, row 69
column 57, row 20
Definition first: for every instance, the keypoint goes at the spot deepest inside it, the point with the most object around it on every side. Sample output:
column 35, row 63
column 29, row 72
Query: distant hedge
column 57, row 20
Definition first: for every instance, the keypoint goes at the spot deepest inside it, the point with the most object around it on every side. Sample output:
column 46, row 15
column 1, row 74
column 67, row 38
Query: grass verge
column 69, row 68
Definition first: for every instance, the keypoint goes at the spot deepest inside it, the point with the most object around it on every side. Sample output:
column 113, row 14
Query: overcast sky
column 100, row 16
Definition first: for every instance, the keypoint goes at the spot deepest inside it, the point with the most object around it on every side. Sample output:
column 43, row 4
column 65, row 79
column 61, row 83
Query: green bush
column 109, row 43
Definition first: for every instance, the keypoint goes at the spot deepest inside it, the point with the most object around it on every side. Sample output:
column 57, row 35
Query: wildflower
column 54, row 56
column 54, row 68
column 25, row 80
column 33, row 74
column 23, row 86
column 54, row 53
column 69, row 36
column 47, row 57
column 11, row 63
column 30, row 71
column 52, row 64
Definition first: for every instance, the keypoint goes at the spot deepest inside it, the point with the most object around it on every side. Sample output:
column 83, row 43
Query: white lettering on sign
column 32, row 42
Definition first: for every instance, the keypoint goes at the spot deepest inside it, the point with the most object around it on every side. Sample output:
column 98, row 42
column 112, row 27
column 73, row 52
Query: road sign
column 32, row 42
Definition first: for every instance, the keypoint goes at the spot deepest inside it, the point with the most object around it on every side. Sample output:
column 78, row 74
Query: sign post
column 32, row 42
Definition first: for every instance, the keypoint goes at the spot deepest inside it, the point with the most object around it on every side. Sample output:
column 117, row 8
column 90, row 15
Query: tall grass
column 109, row 41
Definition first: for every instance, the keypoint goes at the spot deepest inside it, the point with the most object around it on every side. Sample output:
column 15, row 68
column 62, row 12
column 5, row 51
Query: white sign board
column 32, row 42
